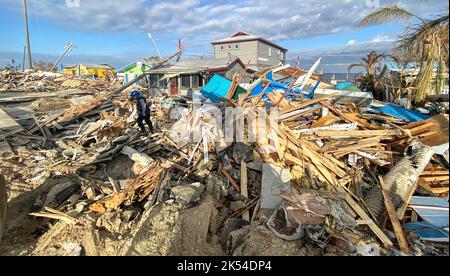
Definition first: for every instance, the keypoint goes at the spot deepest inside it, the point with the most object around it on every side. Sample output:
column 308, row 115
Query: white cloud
column 382, row 38
column 351, row 42
column 278, row 20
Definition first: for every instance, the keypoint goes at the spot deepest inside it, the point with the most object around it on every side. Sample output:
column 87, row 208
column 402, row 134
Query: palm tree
column 427, row 40
column 369, row 62
column 370, row 81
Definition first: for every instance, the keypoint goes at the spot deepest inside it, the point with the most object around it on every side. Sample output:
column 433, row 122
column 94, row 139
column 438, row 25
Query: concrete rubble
column 82, row 181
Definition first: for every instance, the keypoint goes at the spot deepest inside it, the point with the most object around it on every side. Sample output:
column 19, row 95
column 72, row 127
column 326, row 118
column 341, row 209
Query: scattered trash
column 301, row 178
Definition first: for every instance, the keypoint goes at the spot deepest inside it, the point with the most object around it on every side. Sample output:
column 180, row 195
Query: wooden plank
column 308, row 103
column 39, row 126
column 434, row 178
column 233, row 183
column 244, row 188
column 359, row 133
column 256, row 210
column 398, row 230
column 341, row 114
column 375, row 229
column 434, row 173
column 401, row 211
column 316, row 161
column 356, row 118
column 361, row 144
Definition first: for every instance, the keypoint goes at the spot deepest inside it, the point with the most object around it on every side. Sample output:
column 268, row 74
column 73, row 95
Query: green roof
column 133, row 68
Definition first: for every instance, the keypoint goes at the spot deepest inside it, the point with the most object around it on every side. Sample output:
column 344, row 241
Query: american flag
column 180, row 45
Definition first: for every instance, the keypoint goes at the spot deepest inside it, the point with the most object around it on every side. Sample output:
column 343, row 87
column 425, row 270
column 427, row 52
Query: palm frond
column 386, row 15
column 428, row 41
column 351, row 66
column 417, row 35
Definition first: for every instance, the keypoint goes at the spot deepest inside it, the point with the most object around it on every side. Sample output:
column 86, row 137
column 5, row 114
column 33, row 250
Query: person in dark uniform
column 143, row 111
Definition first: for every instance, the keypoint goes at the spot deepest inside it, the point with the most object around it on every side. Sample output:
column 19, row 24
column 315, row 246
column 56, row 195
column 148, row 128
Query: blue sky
column 115, row 32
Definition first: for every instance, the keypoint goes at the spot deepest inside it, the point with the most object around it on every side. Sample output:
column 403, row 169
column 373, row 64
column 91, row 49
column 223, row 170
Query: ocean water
column 339, row 76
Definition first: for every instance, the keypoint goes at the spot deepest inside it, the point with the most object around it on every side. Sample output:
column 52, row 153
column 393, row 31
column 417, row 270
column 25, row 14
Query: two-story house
column 259, row 51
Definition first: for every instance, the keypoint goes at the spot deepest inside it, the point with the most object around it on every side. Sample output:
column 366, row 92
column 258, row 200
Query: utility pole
column 30, row 63
column 67, row 49
column 156, row 46
column 23, row 59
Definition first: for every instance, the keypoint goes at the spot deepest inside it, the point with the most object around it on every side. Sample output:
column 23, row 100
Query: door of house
column 173, row 86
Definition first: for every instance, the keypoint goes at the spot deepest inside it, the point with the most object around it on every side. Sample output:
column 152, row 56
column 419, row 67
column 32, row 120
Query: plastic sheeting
column 401, row 113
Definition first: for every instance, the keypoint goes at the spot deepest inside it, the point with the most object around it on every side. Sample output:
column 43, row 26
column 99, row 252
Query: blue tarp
column 401, row 113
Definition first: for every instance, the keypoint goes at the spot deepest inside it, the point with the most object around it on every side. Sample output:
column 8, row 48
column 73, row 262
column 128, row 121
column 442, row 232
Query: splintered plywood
column 8, row 126
column 439, row 131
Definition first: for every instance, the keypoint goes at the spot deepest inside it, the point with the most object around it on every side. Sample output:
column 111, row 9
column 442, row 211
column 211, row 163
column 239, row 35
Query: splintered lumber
column 277, row 98
column 308, row 103
column 234, row 85
column 78, row 111
column 432, row 132
column 55, row 214
column 435, row 178
column 364, row 216
column 394, row 219
column 356, row 145
column 137, row 191
column 359, row 133
column 244, row 188
column 233, row 183
column 287, row 91
column 360, row 121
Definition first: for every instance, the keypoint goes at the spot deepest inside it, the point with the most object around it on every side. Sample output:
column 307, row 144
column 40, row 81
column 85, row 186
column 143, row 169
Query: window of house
column 163, row 83
column 186, row 81
column 236, row 46
column 195, row 81
column 153, row 80
column 222, row 47
column 230, row 47
column 207, row 78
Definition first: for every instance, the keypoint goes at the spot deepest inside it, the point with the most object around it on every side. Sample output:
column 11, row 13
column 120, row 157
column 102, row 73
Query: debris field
column 324, row 176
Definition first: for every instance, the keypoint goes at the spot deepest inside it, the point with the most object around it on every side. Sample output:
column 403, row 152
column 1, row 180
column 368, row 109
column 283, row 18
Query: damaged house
column 189, row 75
column 261, row 52
column 96, row 71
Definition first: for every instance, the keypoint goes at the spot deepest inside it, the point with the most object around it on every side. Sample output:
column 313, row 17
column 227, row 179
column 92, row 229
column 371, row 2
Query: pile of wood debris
column 38, row 81
column 317, row 172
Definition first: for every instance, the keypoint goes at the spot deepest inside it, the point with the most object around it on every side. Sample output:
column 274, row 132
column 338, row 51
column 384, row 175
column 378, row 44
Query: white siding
column 268, row 55
column 246, row 51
